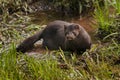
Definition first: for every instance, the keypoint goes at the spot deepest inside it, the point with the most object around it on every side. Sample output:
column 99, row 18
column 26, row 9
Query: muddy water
column 43, row 18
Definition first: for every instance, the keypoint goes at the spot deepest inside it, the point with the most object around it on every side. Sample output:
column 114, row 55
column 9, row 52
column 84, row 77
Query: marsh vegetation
column 20, row 19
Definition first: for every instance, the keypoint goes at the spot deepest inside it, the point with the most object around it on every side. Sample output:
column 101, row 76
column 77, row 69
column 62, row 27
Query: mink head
column 71, row 31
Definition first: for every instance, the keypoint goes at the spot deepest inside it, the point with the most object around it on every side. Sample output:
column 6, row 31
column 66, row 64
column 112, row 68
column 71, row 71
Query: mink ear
column 77, row 26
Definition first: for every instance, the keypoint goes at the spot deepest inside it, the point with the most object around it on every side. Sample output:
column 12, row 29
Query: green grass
column 102, row 16
column 45, row 69
column 106, row 17
column 98, row 63
column 8, row 66
column 116, row 5
column 101, row 62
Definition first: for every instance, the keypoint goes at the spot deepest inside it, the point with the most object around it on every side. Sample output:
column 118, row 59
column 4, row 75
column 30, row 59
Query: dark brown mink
column 59, row 34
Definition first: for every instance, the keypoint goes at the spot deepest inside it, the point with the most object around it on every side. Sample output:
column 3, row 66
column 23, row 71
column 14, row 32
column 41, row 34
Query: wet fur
column 59, row 34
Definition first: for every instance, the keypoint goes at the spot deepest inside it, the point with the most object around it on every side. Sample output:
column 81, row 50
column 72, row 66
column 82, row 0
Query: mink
column 59, row 34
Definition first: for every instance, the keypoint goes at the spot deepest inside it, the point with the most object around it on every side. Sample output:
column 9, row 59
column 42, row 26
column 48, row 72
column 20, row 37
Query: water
column 46, row 17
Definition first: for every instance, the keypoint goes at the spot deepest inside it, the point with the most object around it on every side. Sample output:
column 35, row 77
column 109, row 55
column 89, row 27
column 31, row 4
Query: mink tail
column 28, row 43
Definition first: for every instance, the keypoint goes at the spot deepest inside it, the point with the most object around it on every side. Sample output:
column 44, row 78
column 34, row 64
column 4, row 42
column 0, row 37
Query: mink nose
column 69, row 37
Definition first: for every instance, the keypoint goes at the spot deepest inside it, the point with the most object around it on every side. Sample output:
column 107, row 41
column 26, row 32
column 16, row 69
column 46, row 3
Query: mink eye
column 74, row 33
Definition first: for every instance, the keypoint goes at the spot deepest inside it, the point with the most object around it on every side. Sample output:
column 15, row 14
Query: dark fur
column 59, row 34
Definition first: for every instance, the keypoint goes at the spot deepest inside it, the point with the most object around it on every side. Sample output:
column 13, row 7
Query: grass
column 44, row 69
column 8, row 66
column 116, row 5
column 102, row 15
column 99, row 63
column 107, row 19
column 104, row 21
